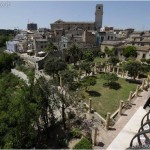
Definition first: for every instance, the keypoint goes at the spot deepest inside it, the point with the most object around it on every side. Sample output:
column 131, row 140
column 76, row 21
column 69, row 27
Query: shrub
column 71, row 115
column 83, row 144
column 76, row 133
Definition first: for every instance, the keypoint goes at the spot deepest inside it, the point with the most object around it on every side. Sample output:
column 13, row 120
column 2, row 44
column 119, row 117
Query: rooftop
column 72, row 22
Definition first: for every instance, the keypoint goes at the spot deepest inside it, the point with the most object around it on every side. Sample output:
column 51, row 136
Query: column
column 107, row 121
column 130, row 96
column 137, row 76
column 104, row 69
column 120, row 107
column 113, row 69
column 127, row 74
column 95, row 71
column 137, row 90
column 90, row 105
column 143, row 83
column 109, row 68
column 95, row 135
column 60, row 81
column 117, row 71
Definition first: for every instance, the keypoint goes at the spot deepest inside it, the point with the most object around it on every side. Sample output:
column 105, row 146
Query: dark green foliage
column 133, row 67
column 129, row 51
column 74, row 53
column 54, row 65
column 145, row 68
column 74, row 86
column 17, row 114
column 86, row 66
column 113, row 60
column 110, row 77
column 6, row 61
column 109, row 52
column 75, row 133
column 68, row 76
column 4, row 38
column 101, row 54
column 50, row 48
column 88, row 81
column 88, row 55
column 83, row 144
column 148, row 61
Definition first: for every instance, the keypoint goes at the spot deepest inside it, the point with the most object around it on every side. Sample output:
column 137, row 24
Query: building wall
column 32, row 26
column 11, row 46
column 39, row 45
column 143, row 54
column 88, row 37
column 68, row 26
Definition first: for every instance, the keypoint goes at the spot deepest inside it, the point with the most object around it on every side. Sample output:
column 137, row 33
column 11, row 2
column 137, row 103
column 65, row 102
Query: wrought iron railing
column 143, row 135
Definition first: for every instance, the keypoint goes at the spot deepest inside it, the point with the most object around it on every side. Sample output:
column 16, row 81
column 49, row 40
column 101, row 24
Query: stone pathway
column 104, row 137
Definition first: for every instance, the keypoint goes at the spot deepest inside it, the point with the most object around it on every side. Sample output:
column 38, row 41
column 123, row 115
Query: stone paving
column 104, row 137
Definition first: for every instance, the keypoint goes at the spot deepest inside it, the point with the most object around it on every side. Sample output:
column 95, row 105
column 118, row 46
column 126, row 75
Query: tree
column 6, row 61
column 129, row 51
column 46, row 99
column 53, row 65
column 110, row 78
column 109, row 52
column 113, row 60
column 148, row 61
column 88, row 55
column 86, row 66
column 74, row 53
column 17, row 114
column 133, row 68
column 50, row 48
column 101, row 54
column 88, row 81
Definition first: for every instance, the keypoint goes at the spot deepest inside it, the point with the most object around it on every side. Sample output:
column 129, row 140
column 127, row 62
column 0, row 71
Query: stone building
column 65, row 25
column 39, row 45
column 32, row 26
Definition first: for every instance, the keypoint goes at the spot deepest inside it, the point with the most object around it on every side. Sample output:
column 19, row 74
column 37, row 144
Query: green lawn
column 106, row 99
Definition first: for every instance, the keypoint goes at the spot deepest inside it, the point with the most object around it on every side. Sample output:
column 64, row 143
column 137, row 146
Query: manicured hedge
column 84, row 143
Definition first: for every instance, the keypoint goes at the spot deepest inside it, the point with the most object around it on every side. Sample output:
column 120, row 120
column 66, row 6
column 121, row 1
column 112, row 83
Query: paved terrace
column 120, row 135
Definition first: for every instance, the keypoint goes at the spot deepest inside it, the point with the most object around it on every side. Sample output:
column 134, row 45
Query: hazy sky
column 135, row 14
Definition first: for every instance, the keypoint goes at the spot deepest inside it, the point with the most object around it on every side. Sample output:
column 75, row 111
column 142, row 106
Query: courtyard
column 105, row 99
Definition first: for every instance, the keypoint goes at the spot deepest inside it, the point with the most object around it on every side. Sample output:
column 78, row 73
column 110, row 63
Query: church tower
column 98, row 16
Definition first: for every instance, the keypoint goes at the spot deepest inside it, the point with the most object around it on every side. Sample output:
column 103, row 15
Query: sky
column 119, row 14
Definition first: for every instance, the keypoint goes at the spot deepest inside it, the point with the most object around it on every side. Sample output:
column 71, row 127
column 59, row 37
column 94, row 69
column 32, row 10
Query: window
column 143, row 56
column 142, row 44
column 99, row 7
column 64, row 45
column 42, row 46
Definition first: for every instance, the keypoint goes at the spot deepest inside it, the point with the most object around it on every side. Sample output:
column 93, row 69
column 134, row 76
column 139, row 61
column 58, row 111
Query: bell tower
column 98, row 16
